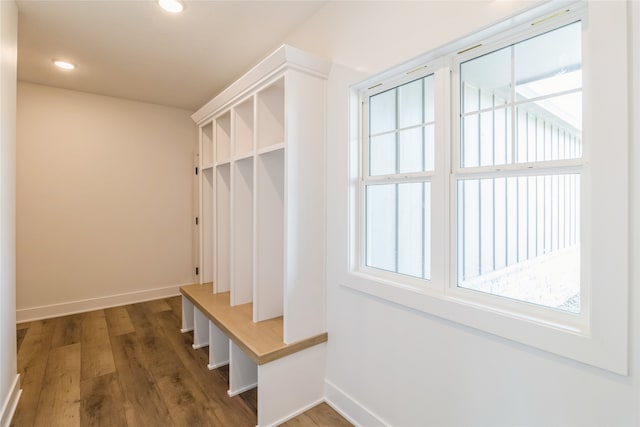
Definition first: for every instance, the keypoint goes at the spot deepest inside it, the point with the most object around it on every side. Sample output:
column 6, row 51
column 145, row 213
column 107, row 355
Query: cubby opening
column 243, row 129
column 242, row 232
column 223, row 229
column 243, row 372
column 206, row 222
column 270, row 111
column 207, row 145
column 223, row 138
column 270, row 219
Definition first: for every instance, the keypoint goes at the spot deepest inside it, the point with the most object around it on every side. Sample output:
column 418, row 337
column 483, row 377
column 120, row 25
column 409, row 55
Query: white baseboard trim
column 296, row 413
column 217, row 365
column 184, row 331
column 10, row 403
column 80, row 306
column 241, row 390
column 197, row 346
column 354, row 412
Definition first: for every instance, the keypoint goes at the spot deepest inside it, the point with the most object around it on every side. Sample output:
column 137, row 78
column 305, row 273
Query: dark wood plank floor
column 129, row 366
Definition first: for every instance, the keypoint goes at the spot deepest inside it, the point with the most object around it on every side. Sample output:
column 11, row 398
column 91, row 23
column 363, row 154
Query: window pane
column 547, row 66
column 487, row 141
column 429, row 147
column 381, row 226
column 522, row 140
column 410, row 104
column 426, row 244
column 484, row 77
column 410, row 229
column 549, row 63
column 502, row 136
column 563, row 111
column 549, row 86
column 550, row 129
column 468, row 212
column 382, row 154
column 518, row 237
column 429, row 103
column 382, row 112
column 411, row 147
column 398, row 228
column 470, row 142
column 486, row 138
column 487, row 224
column 470, row 98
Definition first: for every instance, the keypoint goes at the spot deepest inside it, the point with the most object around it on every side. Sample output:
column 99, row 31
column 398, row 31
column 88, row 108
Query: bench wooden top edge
column 262, row 342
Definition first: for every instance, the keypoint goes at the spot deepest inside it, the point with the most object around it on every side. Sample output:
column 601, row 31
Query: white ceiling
column 133, row 49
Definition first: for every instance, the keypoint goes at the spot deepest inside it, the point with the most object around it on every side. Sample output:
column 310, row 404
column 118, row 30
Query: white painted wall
column 391, row 365
column 9, row 383
column 370, row 36
column 634, row 162
column 104, row 200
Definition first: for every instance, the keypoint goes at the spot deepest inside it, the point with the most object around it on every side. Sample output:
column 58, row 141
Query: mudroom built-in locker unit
column 259, row 306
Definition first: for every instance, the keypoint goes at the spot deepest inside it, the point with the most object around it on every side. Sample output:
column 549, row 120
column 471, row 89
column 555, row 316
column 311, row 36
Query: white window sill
column 562, row 334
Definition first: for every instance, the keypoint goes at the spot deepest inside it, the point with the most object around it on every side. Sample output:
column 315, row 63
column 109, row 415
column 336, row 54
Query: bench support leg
column 187, row 315
column 200, row 329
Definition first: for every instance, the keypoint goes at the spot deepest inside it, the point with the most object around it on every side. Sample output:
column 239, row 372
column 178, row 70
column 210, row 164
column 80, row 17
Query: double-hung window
column 478, row 197
column 516, row 161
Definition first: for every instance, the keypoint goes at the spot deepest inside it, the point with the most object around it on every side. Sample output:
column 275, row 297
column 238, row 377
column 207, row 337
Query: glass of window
column 518, row 232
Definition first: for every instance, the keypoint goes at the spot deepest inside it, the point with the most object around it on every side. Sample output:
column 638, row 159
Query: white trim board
column 72, row 307
column 354, row 412
column 10, row 403
column 299, row 412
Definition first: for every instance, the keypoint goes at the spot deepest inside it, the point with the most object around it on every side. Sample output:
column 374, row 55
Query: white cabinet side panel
column 305, row 207
column 291, row 385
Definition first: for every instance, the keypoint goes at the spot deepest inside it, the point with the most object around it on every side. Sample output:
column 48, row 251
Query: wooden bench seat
column 262, row 342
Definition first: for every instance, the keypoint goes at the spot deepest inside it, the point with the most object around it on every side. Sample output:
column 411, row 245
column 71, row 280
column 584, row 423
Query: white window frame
column 596, row 336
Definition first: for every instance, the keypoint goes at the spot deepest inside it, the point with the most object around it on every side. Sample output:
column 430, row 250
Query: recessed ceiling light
column 63, row 64
column 173, row 6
